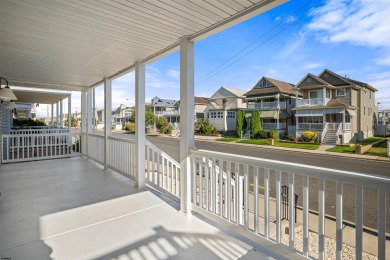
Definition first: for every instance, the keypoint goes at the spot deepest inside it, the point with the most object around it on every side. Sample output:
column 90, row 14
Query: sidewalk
column 321, row 150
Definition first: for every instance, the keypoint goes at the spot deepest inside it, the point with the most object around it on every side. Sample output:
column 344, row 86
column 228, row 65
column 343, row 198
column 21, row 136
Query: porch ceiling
column 36, row 96
column 74, row 44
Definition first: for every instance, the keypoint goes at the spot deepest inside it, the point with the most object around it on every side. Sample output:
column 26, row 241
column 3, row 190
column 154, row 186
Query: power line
column 215, row 71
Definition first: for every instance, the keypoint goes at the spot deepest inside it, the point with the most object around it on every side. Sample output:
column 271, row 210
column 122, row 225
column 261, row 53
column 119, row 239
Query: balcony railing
column 274, row 126
column 167, row 113
column 239, row 204
column 310, row 126
column 310, row 102
column 267, row 105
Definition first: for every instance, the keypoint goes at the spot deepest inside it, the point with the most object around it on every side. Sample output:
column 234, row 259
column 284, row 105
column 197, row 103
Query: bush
column 272, row 134
column 129, row 127
column 263, row 134
column 169, row 129
column 291, row 137
column 309, row 136
column 207, row 128
column 241, row 122
column 255, row 123
column 161, row 123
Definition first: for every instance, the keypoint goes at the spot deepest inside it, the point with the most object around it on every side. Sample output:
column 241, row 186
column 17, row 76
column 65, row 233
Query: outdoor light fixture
column 6, row 92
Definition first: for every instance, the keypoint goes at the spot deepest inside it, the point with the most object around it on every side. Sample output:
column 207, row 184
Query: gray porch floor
column 72, row 209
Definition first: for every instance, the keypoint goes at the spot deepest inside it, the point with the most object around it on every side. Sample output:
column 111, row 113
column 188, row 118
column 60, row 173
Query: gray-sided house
column 338, row 108
column 274, row 99
column 222, row 108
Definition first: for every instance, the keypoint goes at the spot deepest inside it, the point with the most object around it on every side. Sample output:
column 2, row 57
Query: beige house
column 222, row 108
column 275, row 100
column 335, row 106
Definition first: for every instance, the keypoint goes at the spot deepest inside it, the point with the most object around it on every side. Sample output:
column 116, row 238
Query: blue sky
column 348, row 37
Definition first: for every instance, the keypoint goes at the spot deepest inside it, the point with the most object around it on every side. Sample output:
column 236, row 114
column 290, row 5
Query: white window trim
column 345, row 92
column 310, row 91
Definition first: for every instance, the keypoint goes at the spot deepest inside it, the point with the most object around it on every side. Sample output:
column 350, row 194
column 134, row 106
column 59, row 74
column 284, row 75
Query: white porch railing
column 310, row 102
column 95, row 148
column 161, row 170
column 170, row 112
column 310, row 126
column 267, row 105
column 333, row 126
column 347, row 126
column 18, row 147
column 122, row 156
column 338, row 132
column 274, row 126
column 39, row 131
column 239, row 205
column 324, row 132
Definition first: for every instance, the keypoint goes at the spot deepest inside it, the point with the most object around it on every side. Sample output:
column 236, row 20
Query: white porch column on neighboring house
column 52, row 114
column 61, row 112
column 89, row 110
column 69, row 112
column 324, row 95
column 107, row 119
column 57, row 114
column 343, row 120
column 140, row 124
column 93, row 109
column 186, row 121
column 278, row 98
column 225, row 120
column 83, row 112
column 296, row 97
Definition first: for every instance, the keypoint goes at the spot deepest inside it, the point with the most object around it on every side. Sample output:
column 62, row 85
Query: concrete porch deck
column 72, row 209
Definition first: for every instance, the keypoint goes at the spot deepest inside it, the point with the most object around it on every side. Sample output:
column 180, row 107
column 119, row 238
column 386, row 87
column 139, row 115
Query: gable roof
column 277, row 86
column 160, row 102
column 224, row 92
column 348, row 80
column 201, row 100
column 323, row 82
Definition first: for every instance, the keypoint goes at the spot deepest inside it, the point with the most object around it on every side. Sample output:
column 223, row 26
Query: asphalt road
column 372, row 167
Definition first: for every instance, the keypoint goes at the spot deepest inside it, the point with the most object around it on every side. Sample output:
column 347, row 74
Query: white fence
column 310, row 102
column 274, row 126
column 95, row 147
column 239, row 204
column 267, row 105
column 121, row 156
column 17, row 147
column 310, row 126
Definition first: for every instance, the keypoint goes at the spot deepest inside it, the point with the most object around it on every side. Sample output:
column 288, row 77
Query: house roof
column 160, row 102
column 224, row 92
column 323, row 82
column 201, row 100
column 278, row 86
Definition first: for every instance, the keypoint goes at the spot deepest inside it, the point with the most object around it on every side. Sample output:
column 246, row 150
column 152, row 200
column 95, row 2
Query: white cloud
column 311, row 65
column 173, row 73
column 358, row 22
column 272, row 72
column 381, row 81
column 292, row 44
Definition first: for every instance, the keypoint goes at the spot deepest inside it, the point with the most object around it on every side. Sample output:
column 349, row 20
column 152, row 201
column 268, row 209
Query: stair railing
column 338, row 132
column 324, row 130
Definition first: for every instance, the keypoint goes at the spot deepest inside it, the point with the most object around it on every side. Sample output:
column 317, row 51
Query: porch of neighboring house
column 329, row 124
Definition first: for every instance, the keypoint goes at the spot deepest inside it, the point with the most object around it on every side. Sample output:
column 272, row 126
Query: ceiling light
column 6, row 92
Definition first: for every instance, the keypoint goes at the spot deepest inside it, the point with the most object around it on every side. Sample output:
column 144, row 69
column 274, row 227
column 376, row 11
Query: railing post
column 140, row 124
column 186, row 121
column 83, row 121
column 107, row 120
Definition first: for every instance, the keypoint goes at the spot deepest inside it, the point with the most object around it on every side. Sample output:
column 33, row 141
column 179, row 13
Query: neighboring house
column 335, row 106
column 275, row 99
column 25, row 111
column 200, row 105
column 222, row 108
column 161, row 106
column 384, row 117
column 121, row 115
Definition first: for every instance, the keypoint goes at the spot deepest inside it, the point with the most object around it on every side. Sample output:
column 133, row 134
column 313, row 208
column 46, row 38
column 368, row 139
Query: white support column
column 57, row 114
column 343, row 120
column 61, row 112
column 324, row 96
column 94, row 110
column 225, row 120
column 52, row 114
column 107, row 119
column 69, row 113
column 186, row 121
column 296, row 97
column 140, row 124
column 83, row 124
column 89, row 110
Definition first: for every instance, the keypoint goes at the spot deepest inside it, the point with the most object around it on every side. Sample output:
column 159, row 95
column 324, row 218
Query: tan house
column 275, row 100
column 335, row 106
column 222, row 108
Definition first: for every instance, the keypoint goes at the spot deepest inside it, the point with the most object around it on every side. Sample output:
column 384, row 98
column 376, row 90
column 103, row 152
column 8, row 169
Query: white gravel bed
column 330, row 247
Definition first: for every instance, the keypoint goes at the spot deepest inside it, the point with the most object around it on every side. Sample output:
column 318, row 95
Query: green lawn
column 297, row 145
column 254, row 141
column 228, row 139
column 370, row 140
column 380, row 150
column 342, row 149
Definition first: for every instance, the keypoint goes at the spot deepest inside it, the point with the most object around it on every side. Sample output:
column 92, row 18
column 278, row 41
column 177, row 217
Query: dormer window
column 264, row 84
column 340, row 92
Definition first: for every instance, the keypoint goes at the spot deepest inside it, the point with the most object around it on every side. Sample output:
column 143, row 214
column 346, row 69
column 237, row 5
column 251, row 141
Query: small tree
column 241, row 122
column 150, row 118
column 161, row 123
column 255, row 123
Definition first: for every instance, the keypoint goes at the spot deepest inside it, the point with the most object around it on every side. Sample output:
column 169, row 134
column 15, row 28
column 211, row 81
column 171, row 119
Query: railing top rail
column 98, row 136
column 33, row 135
column 301, row 169
column 155, row 148
column 119, row 139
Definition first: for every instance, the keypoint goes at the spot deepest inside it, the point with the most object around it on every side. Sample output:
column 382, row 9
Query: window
column 340, row 92
column 213, row 115
column 370, row 94
column 220, row 114
column 364, row 110
column 315, row 94
column 264, row 84
column 231, row 114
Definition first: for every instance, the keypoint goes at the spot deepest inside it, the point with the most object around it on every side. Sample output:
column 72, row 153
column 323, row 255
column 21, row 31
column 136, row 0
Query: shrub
column 272, row 134
column 207, row 128
column 255, row 123
column 291, row 137
column 263, row 134
column 161, row 123
column 129, row 127
column 169, row 129
column 241, row 122
column 309, row 136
